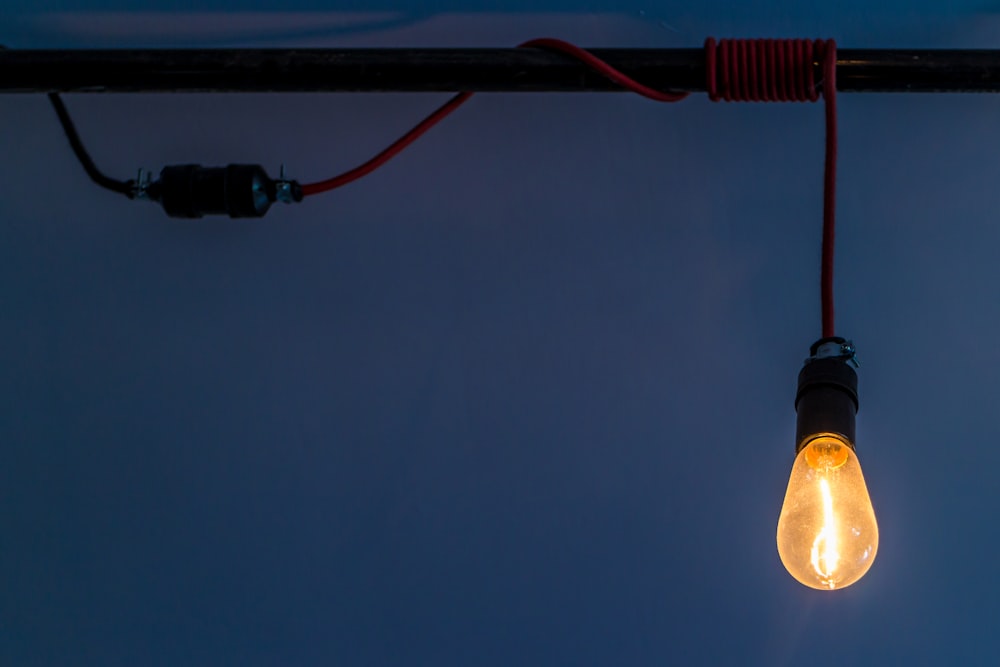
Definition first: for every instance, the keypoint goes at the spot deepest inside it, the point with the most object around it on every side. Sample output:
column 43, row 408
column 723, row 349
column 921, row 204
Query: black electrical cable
column 126, row 188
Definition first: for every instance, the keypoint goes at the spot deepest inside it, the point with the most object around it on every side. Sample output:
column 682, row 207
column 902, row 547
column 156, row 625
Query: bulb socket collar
column 827, row 399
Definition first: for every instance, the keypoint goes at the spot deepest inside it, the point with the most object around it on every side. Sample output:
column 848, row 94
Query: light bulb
column 827, row 534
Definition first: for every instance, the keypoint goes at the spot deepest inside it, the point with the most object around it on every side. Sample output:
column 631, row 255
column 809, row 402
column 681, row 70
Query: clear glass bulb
column 827, row 535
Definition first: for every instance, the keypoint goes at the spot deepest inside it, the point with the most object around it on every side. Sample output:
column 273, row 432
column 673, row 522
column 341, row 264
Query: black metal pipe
column 439, row 70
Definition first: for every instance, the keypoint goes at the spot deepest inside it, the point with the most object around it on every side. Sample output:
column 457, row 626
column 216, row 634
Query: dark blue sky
column 524, row 396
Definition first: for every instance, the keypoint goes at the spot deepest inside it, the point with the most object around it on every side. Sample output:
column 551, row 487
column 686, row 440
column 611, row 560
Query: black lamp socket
column 237, row 190
column 827, row 400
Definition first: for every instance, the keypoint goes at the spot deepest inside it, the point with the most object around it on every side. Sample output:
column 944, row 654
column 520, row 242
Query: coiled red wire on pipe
column 458, row 100
column 784, row 70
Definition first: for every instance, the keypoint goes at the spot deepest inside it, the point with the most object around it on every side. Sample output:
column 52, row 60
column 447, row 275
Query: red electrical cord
column 607, row 70
column 458, row 100
column 394, row 149
column 738, row 70
column 829, row 184
column 782, row 70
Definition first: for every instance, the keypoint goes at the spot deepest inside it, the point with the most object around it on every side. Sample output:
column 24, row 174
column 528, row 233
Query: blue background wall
column 523, row 396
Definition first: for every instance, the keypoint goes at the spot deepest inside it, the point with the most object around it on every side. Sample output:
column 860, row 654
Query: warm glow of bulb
column 827, row 535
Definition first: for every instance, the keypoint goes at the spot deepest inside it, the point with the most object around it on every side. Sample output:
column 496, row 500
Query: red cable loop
column 784, row 70
column 763, row 70
column 458, row 100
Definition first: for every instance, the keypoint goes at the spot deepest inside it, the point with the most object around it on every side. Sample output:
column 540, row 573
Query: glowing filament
column 825, row 555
